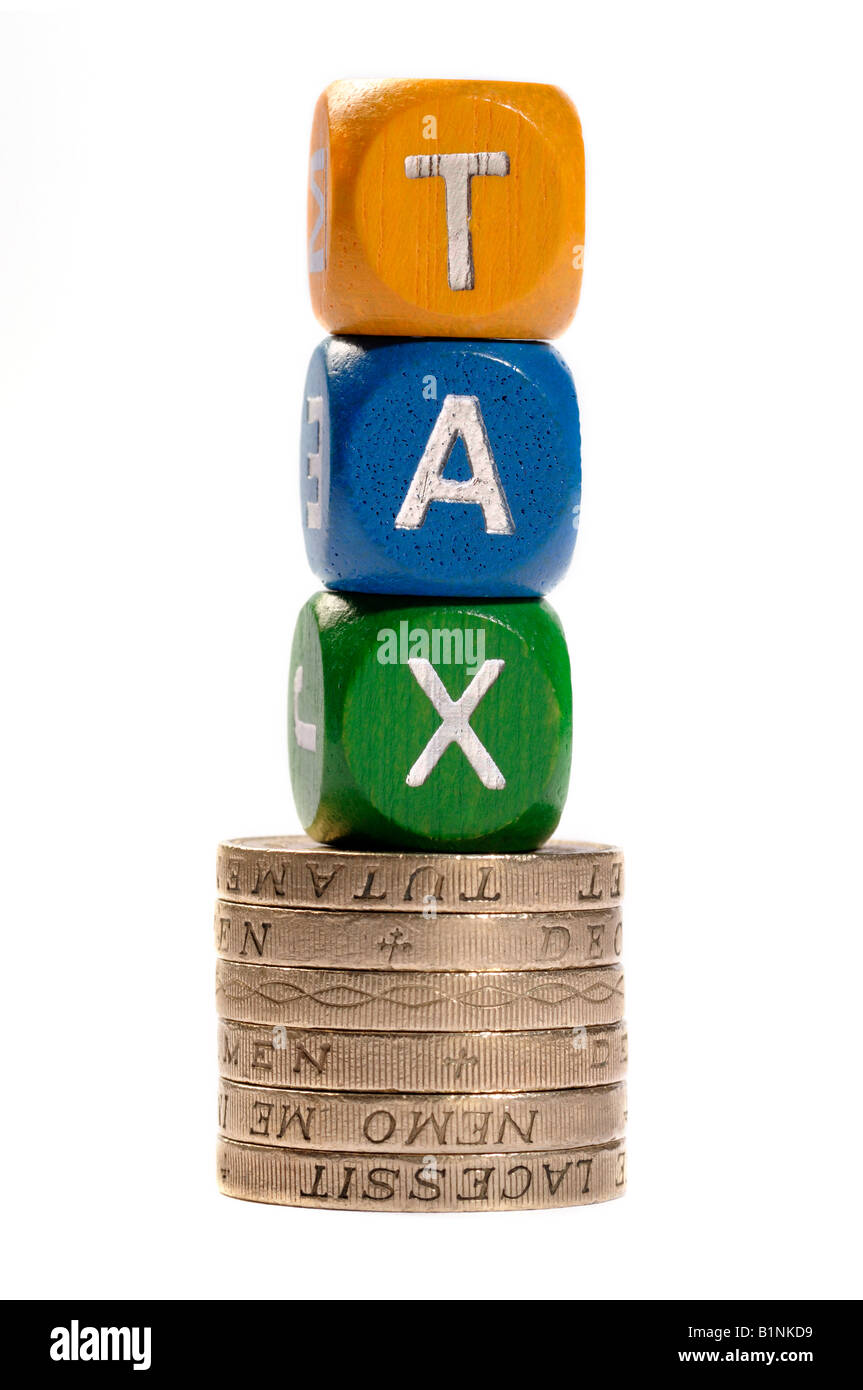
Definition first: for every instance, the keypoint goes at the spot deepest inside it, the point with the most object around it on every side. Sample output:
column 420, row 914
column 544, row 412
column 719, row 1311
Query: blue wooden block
column 439, row 467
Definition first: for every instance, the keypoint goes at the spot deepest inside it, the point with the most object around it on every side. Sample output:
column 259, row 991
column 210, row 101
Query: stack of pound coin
column 408, row 1032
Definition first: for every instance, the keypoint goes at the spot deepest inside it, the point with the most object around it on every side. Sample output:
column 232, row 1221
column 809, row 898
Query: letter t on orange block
column 446, row 209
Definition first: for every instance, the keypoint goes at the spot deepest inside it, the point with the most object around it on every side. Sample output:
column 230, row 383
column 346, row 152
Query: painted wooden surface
column 429, row 725
column 446, row 208
column 444, row 467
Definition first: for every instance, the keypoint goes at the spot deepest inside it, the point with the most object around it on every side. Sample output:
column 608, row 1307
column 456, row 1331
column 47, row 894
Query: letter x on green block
column 436, row 726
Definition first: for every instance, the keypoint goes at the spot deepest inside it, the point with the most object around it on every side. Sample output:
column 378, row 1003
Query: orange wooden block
column 446, row 209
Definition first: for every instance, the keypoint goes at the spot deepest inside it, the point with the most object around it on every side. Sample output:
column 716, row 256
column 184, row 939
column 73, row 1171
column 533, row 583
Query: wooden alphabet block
column 434, row 726
column 445, row 208
column 442, row 467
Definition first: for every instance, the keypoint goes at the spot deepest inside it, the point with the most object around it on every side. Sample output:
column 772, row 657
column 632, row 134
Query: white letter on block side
column 305, row 734
column 455, row 724
column 460, row 417
column 314, row 416
column 457, row 172
column 318, row 234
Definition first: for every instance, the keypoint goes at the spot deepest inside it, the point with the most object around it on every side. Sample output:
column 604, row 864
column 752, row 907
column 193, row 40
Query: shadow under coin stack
column 423, row 1010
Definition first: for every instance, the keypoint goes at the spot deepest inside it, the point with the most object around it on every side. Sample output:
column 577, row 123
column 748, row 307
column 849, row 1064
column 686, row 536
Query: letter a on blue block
column 442, row 467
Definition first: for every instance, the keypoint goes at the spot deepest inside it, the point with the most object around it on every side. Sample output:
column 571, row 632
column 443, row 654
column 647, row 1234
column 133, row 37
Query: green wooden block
column 429, row 725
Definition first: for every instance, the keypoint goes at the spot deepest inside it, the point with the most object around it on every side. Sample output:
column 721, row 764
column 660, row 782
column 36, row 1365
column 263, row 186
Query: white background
column 154, row 334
